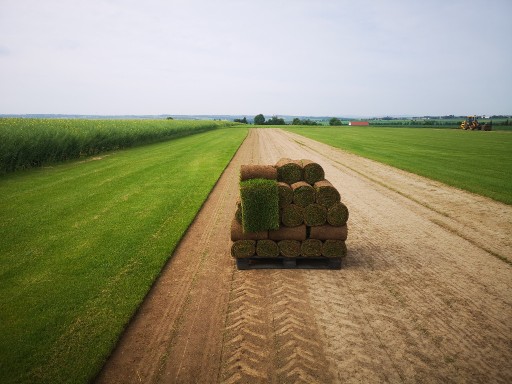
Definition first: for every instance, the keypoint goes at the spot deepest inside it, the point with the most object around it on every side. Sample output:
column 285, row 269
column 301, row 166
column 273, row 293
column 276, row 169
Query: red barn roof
column 358, row 123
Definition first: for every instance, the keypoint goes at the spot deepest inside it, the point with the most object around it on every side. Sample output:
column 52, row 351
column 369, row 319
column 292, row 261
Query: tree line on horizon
column 274, row 120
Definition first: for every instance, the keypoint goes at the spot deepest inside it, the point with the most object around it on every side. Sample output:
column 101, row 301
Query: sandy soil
column 424, row 294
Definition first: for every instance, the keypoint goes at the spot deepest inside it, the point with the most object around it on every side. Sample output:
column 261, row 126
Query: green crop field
column 476, row 161
column 26, row 143
column 82, row 242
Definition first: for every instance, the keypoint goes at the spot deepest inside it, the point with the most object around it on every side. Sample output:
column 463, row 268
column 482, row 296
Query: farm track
column 424, row 294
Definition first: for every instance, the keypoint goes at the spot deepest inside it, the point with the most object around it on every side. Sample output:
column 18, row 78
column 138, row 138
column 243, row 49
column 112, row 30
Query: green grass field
column 82, row 242
column 476, row 161
column 27, row 143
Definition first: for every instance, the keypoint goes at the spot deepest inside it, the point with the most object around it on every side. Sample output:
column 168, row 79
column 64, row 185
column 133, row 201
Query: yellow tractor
column 471, row 123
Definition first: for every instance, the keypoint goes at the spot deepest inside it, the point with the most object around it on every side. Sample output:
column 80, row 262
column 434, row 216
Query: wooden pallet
column 256, row 262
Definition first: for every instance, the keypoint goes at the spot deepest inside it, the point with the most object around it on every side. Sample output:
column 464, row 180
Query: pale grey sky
column 284, row 57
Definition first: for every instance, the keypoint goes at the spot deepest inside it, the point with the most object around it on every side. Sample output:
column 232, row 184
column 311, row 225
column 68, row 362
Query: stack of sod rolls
column 288, row 210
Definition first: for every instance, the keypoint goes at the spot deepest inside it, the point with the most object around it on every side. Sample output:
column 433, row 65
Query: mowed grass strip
column 476, row 161
column 83, row 242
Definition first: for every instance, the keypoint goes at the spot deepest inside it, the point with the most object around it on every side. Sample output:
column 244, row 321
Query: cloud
column 4, row 51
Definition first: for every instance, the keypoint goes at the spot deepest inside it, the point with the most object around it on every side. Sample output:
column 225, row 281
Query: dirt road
column 425, row 293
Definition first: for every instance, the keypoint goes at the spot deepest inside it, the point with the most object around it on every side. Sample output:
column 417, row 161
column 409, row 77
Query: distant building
column 359, row 123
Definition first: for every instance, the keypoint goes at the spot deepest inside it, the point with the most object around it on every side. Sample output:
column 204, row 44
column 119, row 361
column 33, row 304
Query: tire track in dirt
column 414, row 302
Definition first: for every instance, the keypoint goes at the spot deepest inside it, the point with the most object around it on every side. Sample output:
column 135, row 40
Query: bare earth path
column 424, row 294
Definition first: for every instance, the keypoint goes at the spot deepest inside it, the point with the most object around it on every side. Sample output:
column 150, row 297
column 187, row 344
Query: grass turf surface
column 476, row 161
column 83, row 242
column 260, row 205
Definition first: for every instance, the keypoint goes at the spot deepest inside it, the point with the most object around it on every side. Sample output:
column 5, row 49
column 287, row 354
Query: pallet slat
column 289, row 263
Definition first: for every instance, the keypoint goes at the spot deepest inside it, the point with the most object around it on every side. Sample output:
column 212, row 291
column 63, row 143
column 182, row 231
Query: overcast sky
column 284, row 57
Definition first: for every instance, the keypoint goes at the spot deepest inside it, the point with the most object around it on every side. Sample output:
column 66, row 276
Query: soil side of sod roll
column 238, row 212
column 267, row 248
column 289, row 171
column 303, row 193
column 292, row 215
column 337, row 215
column 312, row 172
column 237, row 233
column 334, row 248
column 286, row 233
column 243, row 248
column 315, row 215
column 311, row 248
column 289, row 248
column 328, row 232
column 285, row 193
column 326, row 194
column 248, row 172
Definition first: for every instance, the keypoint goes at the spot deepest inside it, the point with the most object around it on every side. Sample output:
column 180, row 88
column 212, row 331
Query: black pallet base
column 256, row 262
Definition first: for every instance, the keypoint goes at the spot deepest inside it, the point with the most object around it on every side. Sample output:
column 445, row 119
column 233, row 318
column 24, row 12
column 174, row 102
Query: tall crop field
column 26, row 143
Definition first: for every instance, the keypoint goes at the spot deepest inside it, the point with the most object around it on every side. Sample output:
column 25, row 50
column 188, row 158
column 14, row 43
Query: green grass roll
column 286, row 233
column 289, row 248
column 285, row 194
column 303, row 193
column 337, row 215
column 311, row 248
column 329, row 232
column 326, row 194
column 314, row 215
column 267, row 248
column 248, row 172
column 260, row 205
column 289, row 171
column 292, row 215
column 312, row 172
column 243, row 248
column 334, row 248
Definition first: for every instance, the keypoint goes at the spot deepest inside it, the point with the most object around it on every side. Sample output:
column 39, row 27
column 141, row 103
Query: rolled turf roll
column 238, row 213
column 289, row 171
column 311, row 248
column 267, row 248
column 328, row 232
column 243, row 248
column 285, row 193
column 289, row 248
column 312, row 172
column 326, row 194
column 315, row 215
column 286, row 233
column 337, row 215
column 334, row 248
column 260, row 205
column 237, row 233
column 248, row 172
column 292, row 215
column 303, row 193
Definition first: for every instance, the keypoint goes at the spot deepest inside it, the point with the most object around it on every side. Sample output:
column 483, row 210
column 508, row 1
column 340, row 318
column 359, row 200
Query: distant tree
column 169, row 118
column 309, row 122
column 335, row 121
column 296, row 121
column 274, row 120
column 243, row 121
column 259, row 119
